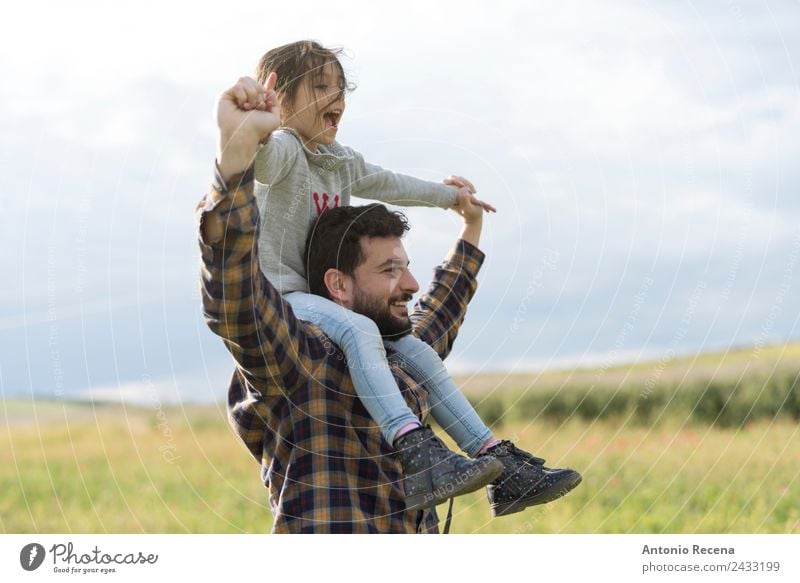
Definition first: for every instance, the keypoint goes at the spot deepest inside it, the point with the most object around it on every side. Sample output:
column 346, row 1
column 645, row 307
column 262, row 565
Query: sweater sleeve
column 275, row 158
column 376, row 183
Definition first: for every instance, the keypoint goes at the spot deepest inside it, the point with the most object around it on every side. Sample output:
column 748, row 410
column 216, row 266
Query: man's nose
column 408, row 283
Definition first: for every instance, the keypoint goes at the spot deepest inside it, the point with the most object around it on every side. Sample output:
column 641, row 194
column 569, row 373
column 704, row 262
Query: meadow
column 701, row 444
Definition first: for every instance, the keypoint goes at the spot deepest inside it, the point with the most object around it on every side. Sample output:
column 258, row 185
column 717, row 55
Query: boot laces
column 515, row 451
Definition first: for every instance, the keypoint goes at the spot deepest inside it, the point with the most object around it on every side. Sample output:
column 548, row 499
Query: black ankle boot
column 525, row 480
column 432, row 473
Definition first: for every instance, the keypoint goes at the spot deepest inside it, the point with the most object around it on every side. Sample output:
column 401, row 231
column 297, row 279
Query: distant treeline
column 730, row 402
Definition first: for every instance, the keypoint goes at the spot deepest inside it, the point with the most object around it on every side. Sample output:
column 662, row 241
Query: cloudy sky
column 642, row 155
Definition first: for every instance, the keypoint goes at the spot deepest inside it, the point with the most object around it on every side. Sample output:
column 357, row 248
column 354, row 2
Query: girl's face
column 318, row 107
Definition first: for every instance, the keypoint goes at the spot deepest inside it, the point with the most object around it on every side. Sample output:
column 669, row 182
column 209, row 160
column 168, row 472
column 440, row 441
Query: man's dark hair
column 334, row 240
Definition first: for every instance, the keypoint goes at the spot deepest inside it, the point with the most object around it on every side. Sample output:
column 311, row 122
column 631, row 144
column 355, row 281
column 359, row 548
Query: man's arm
column 440, row 311
column 240, row 304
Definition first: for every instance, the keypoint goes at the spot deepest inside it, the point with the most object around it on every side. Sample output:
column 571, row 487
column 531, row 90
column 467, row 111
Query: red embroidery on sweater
column 321, row 208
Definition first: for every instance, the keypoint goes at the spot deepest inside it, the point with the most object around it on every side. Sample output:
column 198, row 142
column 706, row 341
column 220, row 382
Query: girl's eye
column 321, row 87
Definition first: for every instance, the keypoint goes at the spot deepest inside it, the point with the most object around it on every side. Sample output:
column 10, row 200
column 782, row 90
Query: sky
column 642, row 157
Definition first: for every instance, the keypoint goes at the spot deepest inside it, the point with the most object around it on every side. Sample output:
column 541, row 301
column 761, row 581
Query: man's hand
column 247, row 114
column 471, row 210
column 465, row 190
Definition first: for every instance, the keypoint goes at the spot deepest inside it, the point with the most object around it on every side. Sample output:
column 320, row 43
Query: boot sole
column 554, row 492
column 469, row 484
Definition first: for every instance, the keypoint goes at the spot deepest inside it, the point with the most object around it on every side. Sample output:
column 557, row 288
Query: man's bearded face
column 383, row 286
column 392, row 318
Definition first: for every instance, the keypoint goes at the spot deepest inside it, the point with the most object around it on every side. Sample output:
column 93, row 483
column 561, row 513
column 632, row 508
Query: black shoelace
column 514, row 450
column 438, row 442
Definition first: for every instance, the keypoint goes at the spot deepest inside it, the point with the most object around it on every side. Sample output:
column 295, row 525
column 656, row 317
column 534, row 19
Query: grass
column 707, row 443
column 668, row 479
column 727, row 389
column 78, row 468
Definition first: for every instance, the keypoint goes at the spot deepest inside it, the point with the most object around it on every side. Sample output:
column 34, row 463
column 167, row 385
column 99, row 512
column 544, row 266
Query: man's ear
column 339, row 286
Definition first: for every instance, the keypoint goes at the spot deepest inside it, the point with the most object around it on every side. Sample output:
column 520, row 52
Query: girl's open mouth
column 332, row 118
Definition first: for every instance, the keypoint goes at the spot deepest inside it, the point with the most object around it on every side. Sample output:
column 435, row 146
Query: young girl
column 301, row 171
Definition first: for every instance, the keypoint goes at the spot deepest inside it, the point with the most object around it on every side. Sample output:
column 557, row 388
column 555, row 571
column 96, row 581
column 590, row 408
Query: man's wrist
column 236, row 155
column 471, row 232
column 468, row 245
column 224, row 183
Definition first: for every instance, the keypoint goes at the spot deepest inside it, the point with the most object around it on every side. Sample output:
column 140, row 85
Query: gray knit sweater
column 294, row 185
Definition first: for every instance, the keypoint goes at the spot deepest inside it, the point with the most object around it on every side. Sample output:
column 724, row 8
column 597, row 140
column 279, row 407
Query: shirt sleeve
column 269, row 344
column 440, row 311
column 375, row 183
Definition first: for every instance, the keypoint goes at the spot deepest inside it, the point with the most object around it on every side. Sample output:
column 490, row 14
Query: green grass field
column 83, row 468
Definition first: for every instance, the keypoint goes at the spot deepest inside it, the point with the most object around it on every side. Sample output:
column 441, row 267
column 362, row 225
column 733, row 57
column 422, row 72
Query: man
column 291, row 400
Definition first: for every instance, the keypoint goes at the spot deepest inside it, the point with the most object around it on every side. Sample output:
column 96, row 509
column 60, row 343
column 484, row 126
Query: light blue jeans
column 359, row 339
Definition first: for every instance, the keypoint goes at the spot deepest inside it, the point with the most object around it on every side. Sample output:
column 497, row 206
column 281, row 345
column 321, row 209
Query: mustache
column 405, row 297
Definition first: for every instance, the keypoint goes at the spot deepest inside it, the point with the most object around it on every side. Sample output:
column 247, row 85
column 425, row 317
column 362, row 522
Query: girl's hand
column 459, row 182
column 247, row 114
column 466, row 189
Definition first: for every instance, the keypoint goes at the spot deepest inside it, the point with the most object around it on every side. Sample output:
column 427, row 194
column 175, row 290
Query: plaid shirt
column 291, row 400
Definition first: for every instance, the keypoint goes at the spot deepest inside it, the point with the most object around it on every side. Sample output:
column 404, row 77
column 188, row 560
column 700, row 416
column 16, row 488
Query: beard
column 390, row 326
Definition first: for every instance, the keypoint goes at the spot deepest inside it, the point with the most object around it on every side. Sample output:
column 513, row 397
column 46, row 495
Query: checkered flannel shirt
column 291, row 400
